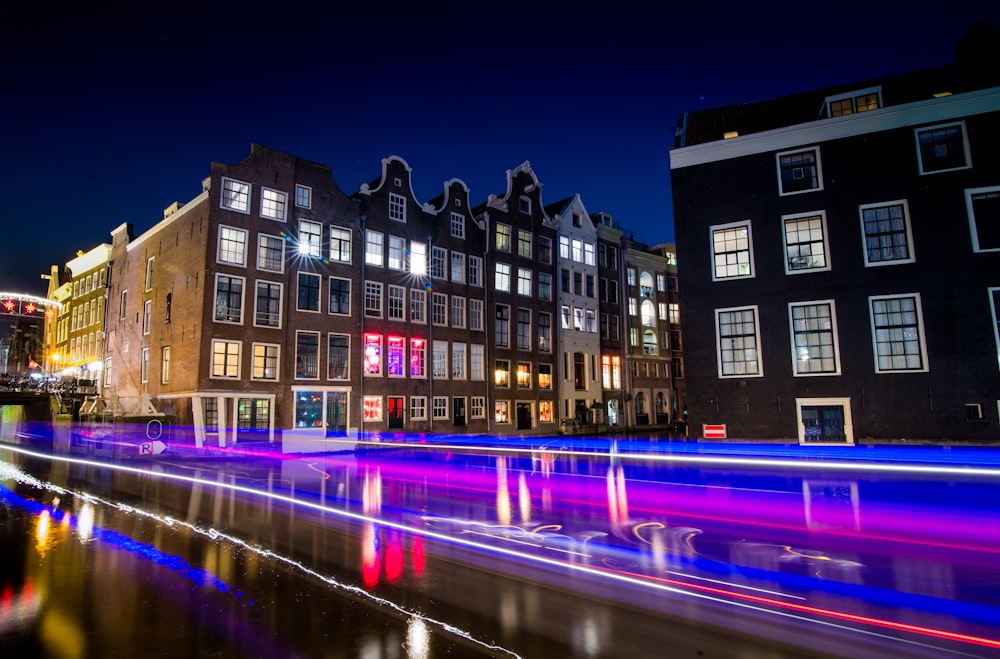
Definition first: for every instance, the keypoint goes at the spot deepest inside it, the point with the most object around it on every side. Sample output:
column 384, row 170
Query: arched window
column 661, row 403
column 640, row 403
column 648, row 313
column 645, row 284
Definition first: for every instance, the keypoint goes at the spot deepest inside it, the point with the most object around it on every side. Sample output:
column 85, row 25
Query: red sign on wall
column 713, row 431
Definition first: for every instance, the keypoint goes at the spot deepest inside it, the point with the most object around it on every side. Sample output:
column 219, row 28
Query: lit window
column 502, row 282
column 732, row 251
column 310, row 238
column 372, row 408
column 265, row 361
column 524, row 243
column 814, row 338
column 805, row 243
column 458, row 361
column 232, row 246
column 340, row 244
column 165, row 365
column 303, row 196
column 738, row 338
column 501, row 373
column 545, row 411
column 898, row 334
column 373, row 355
column 418, row 358
column 272, row 204
column 235, row 195
column 545, row 376
column 225, row 359
column 395, row 359
column 457, row 267
column 524, row 281
column 501, row 411
column 439, row 360
column 397, row 247
column 503, row 238
column 476, row 362
column 374, row 248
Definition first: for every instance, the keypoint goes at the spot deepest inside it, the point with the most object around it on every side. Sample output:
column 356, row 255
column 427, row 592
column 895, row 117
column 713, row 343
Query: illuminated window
column 732, row 251
column 738, row 337
column 272, row 204
column 397, row 248
column 457, row 267
column 501, row 373
column 501, row 411
column 524, row 375
column 265, row 361
column 418, row 258
column 340, row 244
column 814, row 338
column 898, row 333
column 805, row 242
column 545, row 376
column 235, row 195
column 232, row 246
column 545, row 411
column 439, row 360
column 372, row 408
column 648, row 313
column 373, row 355
column 165, row 365
column 418, row 358
column 395, row 359
column 476, row 362
column 458, row 361
column 374, row 248
column 225, row 359
column 524, row 281
column 524, row 243
column 502, row 238
column 502, row 282
column 303, row 196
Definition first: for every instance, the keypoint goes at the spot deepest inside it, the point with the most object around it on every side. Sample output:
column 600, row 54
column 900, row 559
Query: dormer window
column 861, row 100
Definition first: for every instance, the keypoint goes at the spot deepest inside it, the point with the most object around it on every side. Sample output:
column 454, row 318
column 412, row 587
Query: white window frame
column 848, row 419
column 343, row 238
column 240, row 255
column 792, row 152
column 303, row 196
column 476, row 271
column 920, row 339
column 310, row 238
column 165, row 365
column 226, row 363
column 719, row 344
column 319, row 351
column 457, row 267
column 262, row 264
column 350, row 295
column 439, row 408
column 418, row 408
column 144, row 366
column 281, row 302
column 215, row 299
column 397, row 251
column 397, row 207
column 967, row 156
column 457, row 225
column 253, row 361
column 994, row 298
column 374, row 248
column 329, row 376
column 397, row 293
column 973, row 230
column 502, row 277
column 477, row 407
column 418, row 306
column 911, row 255
column 524, row 281
column 271, row 198
column 724, row 228
column 235, row 194
column 799, row 217
column 834, row 338
column 373, row 305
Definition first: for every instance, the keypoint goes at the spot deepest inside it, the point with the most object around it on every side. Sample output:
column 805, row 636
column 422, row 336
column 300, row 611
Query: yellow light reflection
column 524, row 498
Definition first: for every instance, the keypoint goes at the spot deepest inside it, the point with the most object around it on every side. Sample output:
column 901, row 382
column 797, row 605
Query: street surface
column 575, row 548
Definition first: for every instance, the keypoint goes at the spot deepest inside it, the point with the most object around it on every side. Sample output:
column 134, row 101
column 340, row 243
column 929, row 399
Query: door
column 458, row 410
column 524, row 416
column 336, row 413
column 395, row 411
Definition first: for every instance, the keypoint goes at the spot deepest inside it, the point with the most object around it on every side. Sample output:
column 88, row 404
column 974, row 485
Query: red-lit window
column 418, row 357
column 373, row 354
column 395, row 360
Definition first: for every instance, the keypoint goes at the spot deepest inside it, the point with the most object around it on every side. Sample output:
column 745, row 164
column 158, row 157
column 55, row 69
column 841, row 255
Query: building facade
column 841, row 261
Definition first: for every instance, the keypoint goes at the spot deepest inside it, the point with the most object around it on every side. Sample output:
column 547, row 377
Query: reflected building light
column 503, row 493
column 393, row 556
column 42, row 532
column 85, row 523
column 370, row 566
column 418, row 639
column 524, row 498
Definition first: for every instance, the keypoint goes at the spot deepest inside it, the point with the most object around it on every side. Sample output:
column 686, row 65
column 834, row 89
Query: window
column 418, row 306
column 149, row 274
column 475, row 314
column 544, row 331
column 545, row 376
column 544, row 249
column 674, row 309
column 577, row 251
column 272, row 204
column 439, row 256
column 501, row 411
column 566, row 316
column 457, row 267
column 397, row 247
column 457, row 311
column 308, row 298
column 630, row 276
column 168, row 303
column 524, row 205
column 502, row 282
column 563, row 248
column 265, row 361
column 373, row 299
column 338, row 357
column 121, row 305
column 340, row 296
column 544, row 286
column 418, row 408
column 303, row 196
column 994, row 294
column 235, row 195
column 144, row 366
column 524, row 375
column 147, row 316
column 588, row 254
column 228, row 299
column 898, row 333
column 371, row 408
column 502, row 328
column 564, row 279
column 418, row 358
column 648, row 313
column 862, row 100
column 805, row 242
column 814, row 338
column 374, row 247
column 984, row 218
column 578, row 319
column 418, row 258
column 340, row 244
column 524, row 329
column 232, row 246
column 475, row 271
column 397, row 207
column 395, row 357
column 165, row 365
column 270, row 253
column 645, row 284
column 307, row 355
column 457, row 225
column 545, row 411
column 886, row 230
column 503, row 238
column 524, row 243
column 267, row 310
column 579, row 371
column 649, row 346
column 477, row 407
column 476, row 363
column 942, row 148
column 524, row 281
column 633, row 307
column 732, row 251
column 439, row 309
column 458, row 361
column 395, row 302
column 590, row 321
column 225, row 359
column 439, row 360
column 738, row 339
column 799, row 171
column 501, row 373
column 373, row 355
column 439, row 406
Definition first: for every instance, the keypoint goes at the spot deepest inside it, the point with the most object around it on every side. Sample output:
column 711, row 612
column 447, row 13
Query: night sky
column 110, row 116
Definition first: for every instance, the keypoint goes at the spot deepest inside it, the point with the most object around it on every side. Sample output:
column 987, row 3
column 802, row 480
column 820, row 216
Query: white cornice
column 931, row 110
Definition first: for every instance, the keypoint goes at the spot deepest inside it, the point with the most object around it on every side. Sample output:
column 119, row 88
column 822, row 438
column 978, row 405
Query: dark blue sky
column 109, row 117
